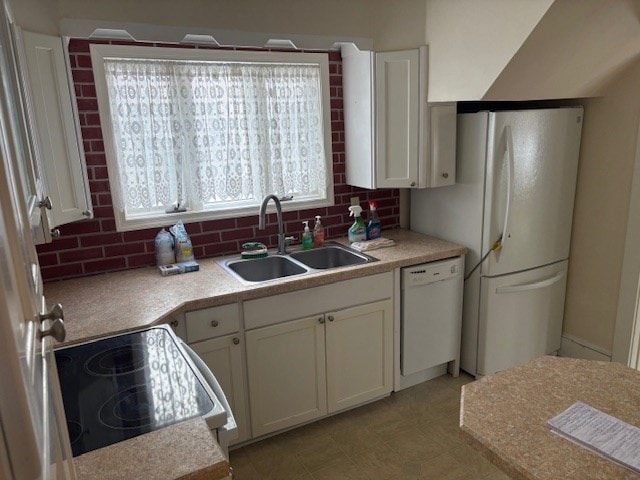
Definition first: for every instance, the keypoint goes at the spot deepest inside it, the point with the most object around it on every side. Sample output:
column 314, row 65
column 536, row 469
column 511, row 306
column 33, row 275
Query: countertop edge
column 83, row 327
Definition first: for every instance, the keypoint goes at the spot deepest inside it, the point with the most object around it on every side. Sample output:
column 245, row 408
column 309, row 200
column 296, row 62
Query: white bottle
column 164, row 248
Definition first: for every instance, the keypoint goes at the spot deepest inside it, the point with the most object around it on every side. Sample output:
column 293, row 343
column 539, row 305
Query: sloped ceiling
column 575, row 50
column 471, row 42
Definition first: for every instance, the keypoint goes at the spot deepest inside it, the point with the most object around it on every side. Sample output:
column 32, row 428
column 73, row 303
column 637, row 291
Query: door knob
column 56, row 313
column 45, row 203
column 56, row 331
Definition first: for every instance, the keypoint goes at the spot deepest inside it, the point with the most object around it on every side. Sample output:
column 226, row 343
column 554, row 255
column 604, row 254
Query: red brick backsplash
column 94, row 246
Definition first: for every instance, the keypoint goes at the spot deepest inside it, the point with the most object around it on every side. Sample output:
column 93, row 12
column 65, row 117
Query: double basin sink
column 295, row 263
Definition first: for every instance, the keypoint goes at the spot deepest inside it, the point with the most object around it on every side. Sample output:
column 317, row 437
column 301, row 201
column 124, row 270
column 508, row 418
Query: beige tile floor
column 413, row 434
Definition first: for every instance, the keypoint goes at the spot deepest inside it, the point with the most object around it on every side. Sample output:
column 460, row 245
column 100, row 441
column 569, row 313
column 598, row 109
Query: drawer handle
column 236, row 341
column 214, row 323
column 331, row 318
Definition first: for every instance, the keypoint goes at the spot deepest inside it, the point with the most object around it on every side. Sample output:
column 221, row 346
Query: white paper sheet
column 601, row 433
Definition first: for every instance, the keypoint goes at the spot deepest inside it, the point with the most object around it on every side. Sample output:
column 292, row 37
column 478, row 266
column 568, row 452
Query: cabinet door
column 398, row 111
column 51, row 111
column 359, row 354
column 287, row 382
column 442, row 145
column 224, row 357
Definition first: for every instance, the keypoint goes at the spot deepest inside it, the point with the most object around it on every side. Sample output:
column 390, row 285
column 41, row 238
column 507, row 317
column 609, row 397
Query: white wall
column 576, row 49
column 471, row 41
column 391, row 25
column 36, row 15
column 605, row 172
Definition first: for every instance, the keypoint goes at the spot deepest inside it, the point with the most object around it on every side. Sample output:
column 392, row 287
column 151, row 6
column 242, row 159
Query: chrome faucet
column 282, row 238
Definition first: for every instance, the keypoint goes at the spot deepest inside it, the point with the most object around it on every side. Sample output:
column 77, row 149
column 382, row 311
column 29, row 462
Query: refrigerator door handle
column 531, row 286
column 510, row 163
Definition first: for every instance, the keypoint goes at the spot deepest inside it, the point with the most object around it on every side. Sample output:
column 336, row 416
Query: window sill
column 162, row 220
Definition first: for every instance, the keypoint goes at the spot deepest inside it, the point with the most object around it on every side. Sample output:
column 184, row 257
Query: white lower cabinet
column 303, row 369
column 287, row 382
column 224, row 357
column 359, row 346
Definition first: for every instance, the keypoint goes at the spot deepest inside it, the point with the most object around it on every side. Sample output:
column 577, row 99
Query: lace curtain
column 206, row 133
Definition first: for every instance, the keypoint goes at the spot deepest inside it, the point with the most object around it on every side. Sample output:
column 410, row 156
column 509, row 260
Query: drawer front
column 335, row 296
column 212, row 322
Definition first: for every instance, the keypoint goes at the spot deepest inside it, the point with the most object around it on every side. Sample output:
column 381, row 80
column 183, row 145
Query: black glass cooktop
column 121, row 387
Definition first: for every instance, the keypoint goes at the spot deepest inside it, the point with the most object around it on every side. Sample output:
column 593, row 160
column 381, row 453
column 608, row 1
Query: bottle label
column 373, row 232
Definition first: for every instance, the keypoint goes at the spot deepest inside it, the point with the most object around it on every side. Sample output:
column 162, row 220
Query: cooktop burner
column 120, row 387
column 117, row 361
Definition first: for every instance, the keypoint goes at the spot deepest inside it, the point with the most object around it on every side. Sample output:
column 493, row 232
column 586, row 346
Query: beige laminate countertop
column 505, row 416
column 182, row 451
column 117, row 302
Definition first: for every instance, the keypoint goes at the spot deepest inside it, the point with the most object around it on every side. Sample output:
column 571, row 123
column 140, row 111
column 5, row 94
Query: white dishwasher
column 431, row 315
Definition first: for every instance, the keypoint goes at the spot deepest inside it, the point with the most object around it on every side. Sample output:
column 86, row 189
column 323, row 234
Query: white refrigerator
column 516, row 180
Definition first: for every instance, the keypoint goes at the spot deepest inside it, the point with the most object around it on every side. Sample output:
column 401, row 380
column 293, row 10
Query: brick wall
column 94, row 246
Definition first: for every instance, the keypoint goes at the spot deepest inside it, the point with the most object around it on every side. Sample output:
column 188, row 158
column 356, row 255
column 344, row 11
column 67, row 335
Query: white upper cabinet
column 398, row 111
column 393, row 138
column 55, row 134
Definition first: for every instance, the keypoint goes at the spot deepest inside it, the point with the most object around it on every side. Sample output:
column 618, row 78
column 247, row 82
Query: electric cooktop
column 124, row 386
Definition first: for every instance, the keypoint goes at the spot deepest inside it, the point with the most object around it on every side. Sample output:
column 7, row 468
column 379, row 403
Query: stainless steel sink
column 298, row 262
column 331, row 256
column 263, row 269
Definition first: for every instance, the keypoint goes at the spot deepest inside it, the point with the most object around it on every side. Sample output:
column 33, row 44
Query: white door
column 35, row 439
column 287, row 381
column 55, row 135
column 359, row 354
column 223, row 356
column 532, row 161
column 520, row 317
column 397, row 118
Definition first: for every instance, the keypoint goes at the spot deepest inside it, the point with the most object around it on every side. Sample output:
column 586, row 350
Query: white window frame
column 156, row 219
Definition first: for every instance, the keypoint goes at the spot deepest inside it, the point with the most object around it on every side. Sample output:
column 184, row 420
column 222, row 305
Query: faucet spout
column 282, row 247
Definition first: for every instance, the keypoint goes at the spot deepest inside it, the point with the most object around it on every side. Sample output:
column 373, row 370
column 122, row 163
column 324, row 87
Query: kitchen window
column 208, row 133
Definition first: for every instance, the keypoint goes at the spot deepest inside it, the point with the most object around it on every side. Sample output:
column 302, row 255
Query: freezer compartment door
column 520, row 317
column 532, row 163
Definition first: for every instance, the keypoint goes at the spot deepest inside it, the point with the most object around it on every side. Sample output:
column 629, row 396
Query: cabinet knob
column 412, row 184
column 45, row 203
column 214, row 323
column 320, row 319
column 55, row 233
column 56, row 331
column 236, row 341
column 56, row 313
column 174, row 323
column 445, row 175
column 331, row 318
column 87, row 213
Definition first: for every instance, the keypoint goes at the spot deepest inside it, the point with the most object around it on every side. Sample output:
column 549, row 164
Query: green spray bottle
column 357, row 231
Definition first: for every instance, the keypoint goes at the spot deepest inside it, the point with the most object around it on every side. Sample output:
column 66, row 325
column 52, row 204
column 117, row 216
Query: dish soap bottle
column 357, row 231
column 374, row 226
column 307, row 238
column 318, row 233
